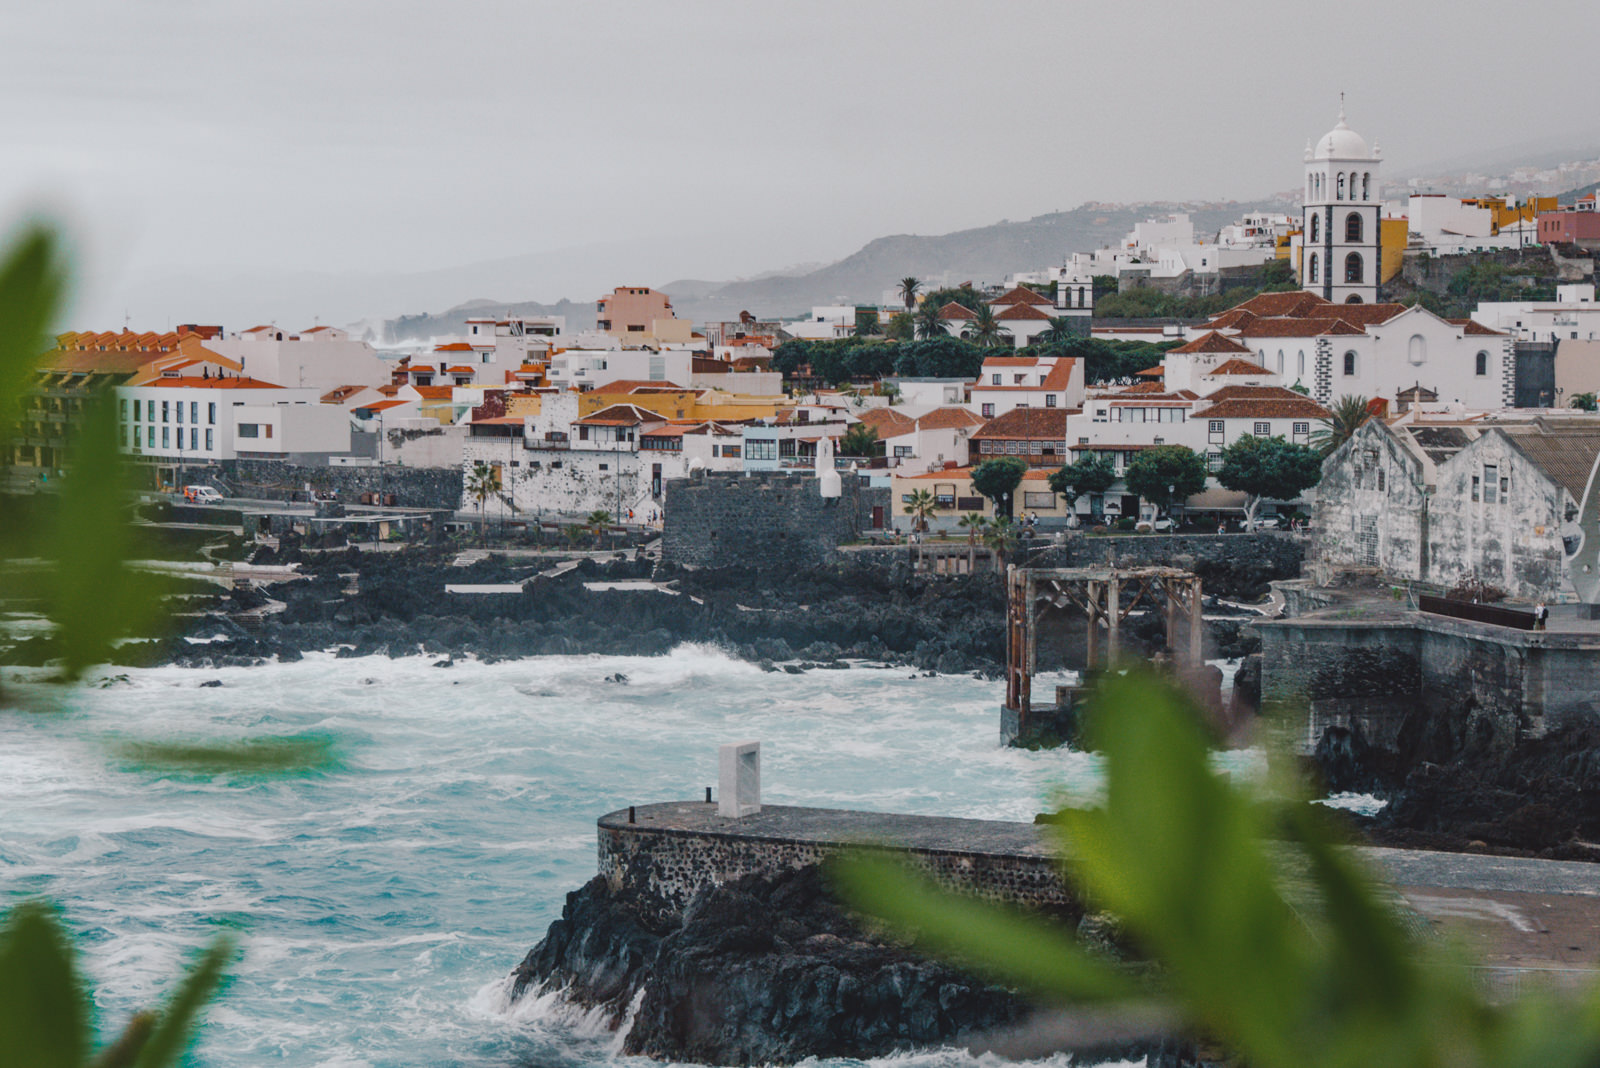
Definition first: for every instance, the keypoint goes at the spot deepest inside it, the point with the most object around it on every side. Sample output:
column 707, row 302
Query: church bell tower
column 1341, row 247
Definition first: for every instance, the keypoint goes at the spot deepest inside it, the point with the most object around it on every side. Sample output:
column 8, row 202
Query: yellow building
column 671, row 402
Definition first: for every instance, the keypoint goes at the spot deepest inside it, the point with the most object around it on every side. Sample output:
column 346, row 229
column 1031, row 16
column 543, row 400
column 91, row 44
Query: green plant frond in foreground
column 251, row 756
column 1285, row 951
column 33, row 287
column 46, row 1019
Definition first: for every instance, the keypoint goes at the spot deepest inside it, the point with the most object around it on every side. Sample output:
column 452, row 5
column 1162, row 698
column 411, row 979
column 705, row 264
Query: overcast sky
column 732, row 137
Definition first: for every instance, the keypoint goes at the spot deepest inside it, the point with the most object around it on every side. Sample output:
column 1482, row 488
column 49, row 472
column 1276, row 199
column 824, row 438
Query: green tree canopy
column 1268, row 469
column 860, row 440
column 985, row 330
column 910, row 286
column 1166, row 475
column 902, row 327
column 998, row 479
column 963, row 295
column 1090, row 474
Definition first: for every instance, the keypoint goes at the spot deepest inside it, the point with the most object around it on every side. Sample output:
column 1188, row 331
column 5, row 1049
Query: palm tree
column 910, row 286
column 597, row 522
column 1348, row 414
column 929, row 325
column 483, row 482
column 974, row 524
column 984, row 330
column 1000, row 537
column 920, row 506
column 1059, row 330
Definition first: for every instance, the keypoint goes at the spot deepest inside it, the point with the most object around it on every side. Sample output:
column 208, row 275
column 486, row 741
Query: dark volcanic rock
column 756, row 971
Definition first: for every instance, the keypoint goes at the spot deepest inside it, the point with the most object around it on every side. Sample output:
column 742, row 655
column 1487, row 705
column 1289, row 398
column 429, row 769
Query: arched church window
column 1354, row 298
column 1366, row 186
column 1302, row 371
column 1483, row 364
column 1339, row 194
column 1352, row 268
column 1417, row 350
column 1280, row 361
column 1350, row 363
column 1316, row 228
column 1315, row 276
column 1352, row 228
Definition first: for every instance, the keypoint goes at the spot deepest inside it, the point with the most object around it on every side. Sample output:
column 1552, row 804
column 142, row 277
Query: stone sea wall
column 763, row 520
column 673, row 864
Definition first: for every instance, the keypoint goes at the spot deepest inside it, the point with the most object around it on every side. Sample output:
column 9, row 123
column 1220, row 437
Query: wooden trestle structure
column 1099, row 592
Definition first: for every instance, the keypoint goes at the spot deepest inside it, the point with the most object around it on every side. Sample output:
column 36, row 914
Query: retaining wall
column 763, row 519
column 413, row 487
column 676, row 849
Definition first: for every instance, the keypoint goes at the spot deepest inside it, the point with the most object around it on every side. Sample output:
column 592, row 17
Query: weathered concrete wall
column 1277, row 551
column 1333, row 671
column 1371, row 508
column 413, row 487
column 1512, row 541
column 426, row 443
column 998, row 862
column 763, row 520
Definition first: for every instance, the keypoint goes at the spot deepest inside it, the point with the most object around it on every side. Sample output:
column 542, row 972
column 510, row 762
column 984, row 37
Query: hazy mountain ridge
column 453, row 321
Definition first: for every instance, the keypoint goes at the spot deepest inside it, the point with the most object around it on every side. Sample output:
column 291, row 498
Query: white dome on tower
column 1341, row 142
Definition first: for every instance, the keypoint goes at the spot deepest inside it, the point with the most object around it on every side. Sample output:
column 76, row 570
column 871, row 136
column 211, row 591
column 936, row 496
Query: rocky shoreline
column 768, row 971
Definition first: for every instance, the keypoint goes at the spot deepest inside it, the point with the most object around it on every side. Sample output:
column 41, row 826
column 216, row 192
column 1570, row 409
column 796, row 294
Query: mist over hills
column 980, row 254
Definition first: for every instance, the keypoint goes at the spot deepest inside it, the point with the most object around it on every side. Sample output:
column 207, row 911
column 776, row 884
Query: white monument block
column 739, row 779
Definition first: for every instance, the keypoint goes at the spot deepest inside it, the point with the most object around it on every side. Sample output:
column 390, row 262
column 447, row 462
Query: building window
column 1315, row 273
column 1349, row 364
column 605, row 467
column 1263, row 430
column 164, row 411
column 194, row 411
column 1340, row 194
column 988, row 411
column 180, row 411
column 1482, row 367
column 1302, row 429
column 211, row 413
column 1214, row 426
column 1302, row 371
column 248, row 430
column 166, row 437
column 208, row 439
column 122, row 409
column 123, row 434
column 1352, row 228
column 1213, row 461
column 1475, row 484
column 1491, row 484
column 766, row 449
column 904, row 450
column 1366, row 186
column 786, row 447
column 583, row 433
column 994, row 380
column 1049, row 400
column 1417, row 350
column 730, row 450
column 151, row 443
column 1316, row 234
column 1352, row 268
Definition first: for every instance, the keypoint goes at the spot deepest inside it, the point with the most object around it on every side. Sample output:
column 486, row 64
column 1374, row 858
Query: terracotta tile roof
column 1238, row 367
column 887, row 422
column 195, row 382
column 340, row 394
column 1290, row 327
column 1296, row 303
column 1060, row 376
column 1019, row 295
column 1109, row 447
column 953, row 310
column 258, row 329
column 460, row 369
column 378, row 406
column 316, row 329
column 1022, row 311
column 948, row 474
column 1165, row 400
column 435, row 393
column 454, row 346
column 1253, row 393
column 1365, row 315
column 1152, row 372
column 619, row 415
column 638, row 385
column 1044, row 424
column 1212, row 342
column 946, row 418
column 1281, row 408
column 1143, row 387
column 1473, row 327
column 1233, row 319
column 1010, row 361
column 499, row 420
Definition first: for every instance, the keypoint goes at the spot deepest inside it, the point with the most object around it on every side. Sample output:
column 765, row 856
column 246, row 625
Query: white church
column 1341, row 242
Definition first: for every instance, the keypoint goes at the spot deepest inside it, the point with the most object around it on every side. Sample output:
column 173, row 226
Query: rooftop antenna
column 1341, row 105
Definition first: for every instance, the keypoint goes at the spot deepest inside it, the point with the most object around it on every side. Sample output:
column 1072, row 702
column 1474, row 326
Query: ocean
column 382, row 901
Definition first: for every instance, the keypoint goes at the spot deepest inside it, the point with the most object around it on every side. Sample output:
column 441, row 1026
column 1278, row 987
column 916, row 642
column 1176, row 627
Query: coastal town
column 1325, row 478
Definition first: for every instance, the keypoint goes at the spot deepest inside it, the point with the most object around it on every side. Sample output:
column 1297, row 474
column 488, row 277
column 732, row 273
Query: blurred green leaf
column 44, row 1013
column 1011, row 947
column 33, row 286
column 1285, row 951
column 95, row 597
column 174, row 1030
column 251, row 756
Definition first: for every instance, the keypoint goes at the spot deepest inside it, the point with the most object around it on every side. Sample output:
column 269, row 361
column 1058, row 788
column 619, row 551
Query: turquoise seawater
column 382, row 902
